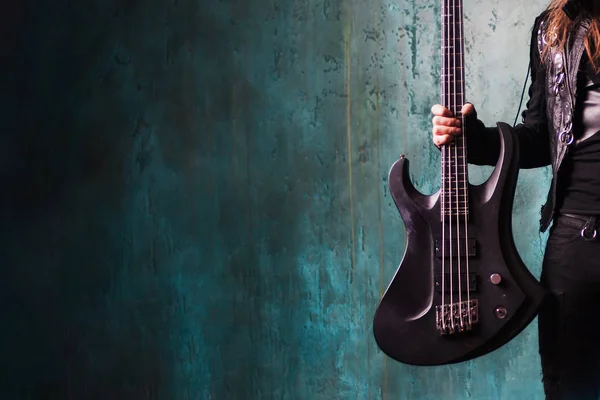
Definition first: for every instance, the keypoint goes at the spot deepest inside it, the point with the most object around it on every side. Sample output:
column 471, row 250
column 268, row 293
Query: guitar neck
column 453, row 83
column 454, row 156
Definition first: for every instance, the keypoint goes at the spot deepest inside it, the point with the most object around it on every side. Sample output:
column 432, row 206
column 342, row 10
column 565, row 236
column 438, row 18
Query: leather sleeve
column 483, row 143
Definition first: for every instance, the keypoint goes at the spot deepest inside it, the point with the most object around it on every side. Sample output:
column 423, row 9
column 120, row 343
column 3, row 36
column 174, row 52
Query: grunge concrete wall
column 194, row 195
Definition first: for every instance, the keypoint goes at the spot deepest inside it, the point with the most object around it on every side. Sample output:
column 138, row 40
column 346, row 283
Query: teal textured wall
column 195, row 201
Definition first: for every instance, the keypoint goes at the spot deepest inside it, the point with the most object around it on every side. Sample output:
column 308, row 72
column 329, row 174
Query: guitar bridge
column 457, row 317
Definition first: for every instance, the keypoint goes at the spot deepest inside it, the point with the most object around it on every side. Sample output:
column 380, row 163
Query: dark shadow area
column 76, row 322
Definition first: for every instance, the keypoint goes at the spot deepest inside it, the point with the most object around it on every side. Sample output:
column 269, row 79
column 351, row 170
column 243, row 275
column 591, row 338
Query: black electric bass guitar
column 461, row 290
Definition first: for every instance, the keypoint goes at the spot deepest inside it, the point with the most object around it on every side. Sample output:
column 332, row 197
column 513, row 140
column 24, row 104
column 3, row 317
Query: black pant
column 569, row 324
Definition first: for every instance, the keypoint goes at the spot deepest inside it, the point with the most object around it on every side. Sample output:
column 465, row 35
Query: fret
column 456, row 163
column 452, row 80
column 450, row 85
column 462, row 213
column 457, row 194
column 455, row 209
column 453, row 170
column 456, row 174
column 451, row 75
column 455, row 148
column 453, row 185
column 459, row 150
column 456, row 151
column 450, row 194
column 457, row 212
column 455, row 180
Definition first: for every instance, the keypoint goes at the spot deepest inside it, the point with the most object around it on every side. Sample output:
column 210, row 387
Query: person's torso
column 579, row 174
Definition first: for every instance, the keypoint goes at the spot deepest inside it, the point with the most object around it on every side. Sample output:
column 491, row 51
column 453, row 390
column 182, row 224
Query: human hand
column 445, row 125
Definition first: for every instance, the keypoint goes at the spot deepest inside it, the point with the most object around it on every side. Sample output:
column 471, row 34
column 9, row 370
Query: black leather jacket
column 546, row 129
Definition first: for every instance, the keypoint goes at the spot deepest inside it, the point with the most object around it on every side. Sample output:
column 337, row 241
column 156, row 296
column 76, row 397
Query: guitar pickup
column 458, row 246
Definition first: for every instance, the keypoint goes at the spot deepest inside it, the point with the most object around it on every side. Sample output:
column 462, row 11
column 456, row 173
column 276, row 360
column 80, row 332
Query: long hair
column 559, row 23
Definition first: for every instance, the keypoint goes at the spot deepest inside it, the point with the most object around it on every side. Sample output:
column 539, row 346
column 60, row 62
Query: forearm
column 483, row 145
column 533, row 136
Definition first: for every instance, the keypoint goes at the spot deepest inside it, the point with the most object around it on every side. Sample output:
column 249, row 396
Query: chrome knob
column 501, row 312
column 495, row 279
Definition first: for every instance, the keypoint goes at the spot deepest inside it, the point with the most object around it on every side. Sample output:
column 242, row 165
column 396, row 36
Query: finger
column 468, row 109
column 441, row 130
column 442, row 140
column 440, row 110
column 446, row 121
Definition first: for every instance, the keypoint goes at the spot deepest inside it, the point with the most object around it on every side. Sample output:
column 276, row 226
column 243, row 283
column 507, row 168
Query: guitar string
column 450, row 183
column 454, row 162
column 456, row 95
column 460, row 197
column 447, row 166
column 465, row 185
column 443, row 211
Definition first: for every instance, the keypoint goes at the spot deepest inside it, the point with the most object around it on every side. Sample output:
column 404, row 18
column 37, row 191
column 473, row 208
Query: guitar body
column 503, row 297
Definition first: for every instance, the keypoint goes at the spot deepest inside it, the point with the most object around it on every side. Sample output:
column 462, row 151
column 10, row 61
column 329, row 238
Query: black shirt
column 579, row 187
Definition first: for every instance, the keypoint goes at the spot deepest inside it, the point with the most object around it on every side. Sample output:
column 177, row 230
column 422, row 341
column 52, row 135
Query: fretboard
column 454, row 163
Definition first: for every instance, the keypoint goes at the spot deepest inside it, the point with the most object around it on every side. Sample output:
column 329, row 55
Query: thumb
column 468, row 110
